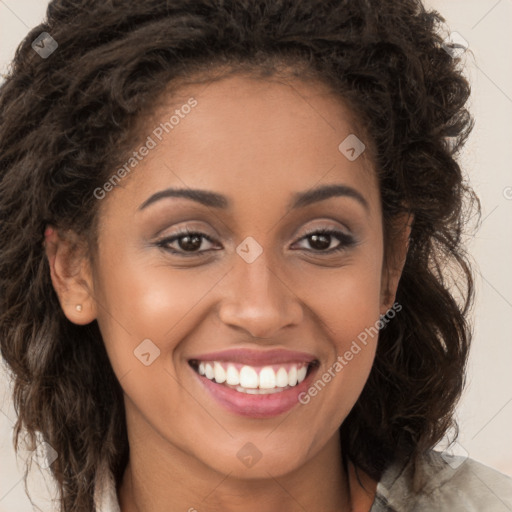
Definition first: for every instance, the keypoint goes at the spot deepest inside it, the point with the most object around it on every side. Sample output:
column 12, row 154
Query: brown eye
column 320, row 240
column 186, row 242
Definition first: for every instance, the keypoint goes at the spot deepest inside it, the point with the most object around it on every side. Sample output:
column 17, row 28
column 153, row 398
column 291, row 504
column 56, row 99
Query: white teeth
column 219, row 373
column 208, row 371
column 232, row 376
column 271, row 379
column 301, row 374
column 268, row 378
column 248, row 377
column 281, row 378
column 292, row 376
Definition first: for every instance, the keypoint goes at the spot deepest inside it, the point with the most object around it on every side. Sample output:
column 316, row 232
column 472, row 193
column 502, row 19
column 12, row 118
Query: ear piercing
column 78, row 307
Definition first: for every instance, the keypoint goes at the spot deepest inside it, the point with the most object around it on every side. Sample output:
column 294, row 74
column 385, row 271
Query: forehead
column 251, row 138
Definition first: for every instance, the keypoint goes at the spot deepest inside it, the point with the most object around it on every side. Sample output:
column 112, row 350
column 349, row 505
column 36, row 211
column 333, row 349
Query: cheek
column 346, row 300
column 142, row 301
column 150, row 300
column 346, row 303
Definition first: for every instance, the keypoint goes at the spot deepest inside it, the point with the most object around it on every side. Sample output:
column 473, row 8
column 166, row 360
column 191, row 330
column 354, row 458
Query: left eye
column 321, row 240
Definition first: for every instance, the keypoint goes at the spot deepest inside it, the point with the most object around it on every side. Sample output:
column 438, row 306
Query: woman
column 227, row 230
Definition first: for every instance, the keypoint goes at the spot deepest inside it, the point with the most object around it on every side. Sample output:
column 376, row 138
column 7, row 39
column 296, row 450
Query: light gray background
column 485, row 413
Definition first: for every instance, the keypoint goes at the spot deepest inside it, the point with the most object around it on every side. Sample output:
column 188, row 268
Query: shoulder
column 441, row 483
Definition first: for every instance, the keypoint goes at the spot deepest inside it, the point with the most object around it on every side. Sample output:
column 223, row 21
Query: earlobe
column 71, row 276
column 394, row 261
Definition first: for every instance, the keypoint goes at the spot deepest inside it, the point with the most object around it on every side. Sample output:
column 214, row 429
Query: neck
column 161, row 476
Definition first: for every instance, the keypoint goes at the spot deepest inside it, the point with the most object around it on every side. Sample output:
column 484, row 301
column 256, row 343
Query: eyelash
column 345, row 240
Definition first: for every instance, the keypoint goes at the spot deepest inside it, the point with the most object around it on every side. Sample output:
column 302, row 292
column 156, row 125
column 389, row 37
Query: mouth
column 255, row 380
column 254, row 383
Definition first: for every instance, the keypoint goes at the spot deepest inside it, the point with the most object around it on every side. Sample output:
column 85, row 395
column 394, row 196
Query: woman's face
column 254, row 296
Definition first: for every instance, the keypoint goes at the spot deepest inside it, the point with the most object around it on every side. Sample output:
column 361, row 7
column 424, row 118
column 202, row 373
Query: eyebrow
column 299, row 199
column 200, row 196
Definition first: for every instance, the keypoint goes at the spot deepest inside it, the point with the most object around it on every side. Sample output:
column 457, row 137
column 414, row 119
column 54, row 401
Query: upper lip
column 254, row 357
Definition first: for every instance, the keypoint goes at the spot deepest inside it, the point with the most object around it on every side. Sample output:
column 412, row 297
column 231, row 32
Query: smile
column 253, row 383
column 250, row 379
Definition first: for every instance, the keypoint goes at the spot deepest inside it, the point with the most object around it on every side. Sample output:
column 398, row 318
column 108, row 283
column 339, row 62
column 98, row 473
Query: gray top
column 440, row 483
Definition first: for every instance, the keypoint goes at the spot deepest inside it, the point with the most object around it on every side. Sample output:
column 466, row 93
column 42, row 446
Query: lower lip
column 256, row 406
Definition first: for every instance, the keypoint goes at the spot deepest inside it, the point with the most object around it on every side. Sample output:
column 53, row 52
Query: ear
column 395, row 254
column 71, row 275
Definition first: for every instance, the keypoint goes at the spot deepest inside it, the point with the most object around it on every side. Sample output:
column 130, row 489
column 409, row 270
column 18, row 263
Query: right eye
column 185, row 241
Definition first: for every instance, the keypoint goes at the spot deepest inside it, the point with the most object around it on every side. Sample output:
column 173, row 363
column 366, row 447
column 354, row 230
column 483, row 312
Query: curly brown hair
column 66, row 122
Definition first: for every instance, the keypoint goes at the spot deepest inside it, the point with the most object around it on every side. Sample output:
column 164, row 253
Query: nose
column 259, row 301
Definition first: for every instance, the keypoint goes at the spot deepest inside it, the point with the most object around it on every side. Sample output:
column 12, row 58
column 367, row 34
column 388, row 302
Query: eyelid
column 316, row 229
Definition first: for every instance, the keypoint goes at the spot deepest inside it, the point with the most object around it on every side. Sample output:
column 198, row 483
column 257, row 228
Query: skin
column 256, row 142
